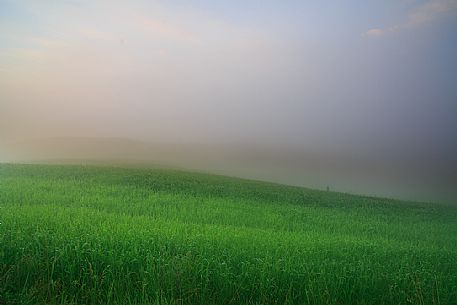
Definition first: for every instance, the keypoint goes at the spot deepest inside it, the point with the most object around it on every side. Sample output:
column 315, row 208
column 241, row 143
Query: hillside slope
column 104, row 235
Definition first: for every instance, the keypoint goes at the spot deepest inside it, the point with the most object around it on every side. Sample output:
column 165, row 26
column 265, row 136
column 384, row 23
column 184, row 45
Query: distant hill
column 374, row 174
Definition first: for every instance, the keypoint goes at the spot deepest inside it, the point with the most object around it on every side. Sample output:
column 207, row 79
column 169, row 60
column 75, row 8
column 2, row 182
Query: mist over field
column 255, row 152
column 400, row 176
column 341, row 90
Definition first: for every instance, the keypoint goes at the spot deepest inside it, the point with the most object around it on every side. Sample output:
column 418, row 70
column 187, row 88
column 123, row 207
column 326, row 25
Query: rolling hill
column 112, row 235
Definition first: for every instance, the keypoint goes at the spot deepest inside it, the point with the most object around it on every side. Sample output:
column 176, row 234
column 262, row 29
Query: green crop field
column 105, row 235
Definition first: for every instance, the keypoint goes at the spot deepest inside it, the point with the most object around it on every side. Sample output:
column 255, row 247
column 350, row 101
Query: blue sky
column 310, row 73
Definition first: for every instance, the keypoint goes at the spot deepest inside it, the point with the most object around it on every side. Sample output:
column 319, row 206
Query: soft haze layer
column 352, row 75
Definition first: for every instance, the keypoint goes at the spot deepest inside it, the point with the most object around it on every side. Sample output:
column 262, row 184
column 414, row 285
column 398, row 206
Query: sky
column 357, row 75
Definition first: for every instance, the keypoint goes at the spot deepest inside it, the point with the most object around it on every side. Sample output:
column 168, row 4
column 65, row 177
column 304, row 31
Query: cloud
column 374, row 32
column 419, row 15
column 429, row 11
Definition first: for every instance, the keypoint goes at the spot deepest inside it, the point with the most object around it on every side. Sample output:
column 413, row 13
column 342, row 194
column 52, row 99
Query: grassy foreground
column 89, row 235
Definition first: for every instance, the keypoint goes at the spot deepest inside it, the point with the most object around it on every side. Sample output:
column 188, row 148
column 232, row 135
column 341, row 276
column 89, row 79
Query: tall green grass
column 93, row 235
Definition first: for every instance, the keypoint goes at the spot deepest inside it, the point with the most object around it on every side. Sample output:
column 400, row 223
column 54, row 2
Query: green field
column 99, row 235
